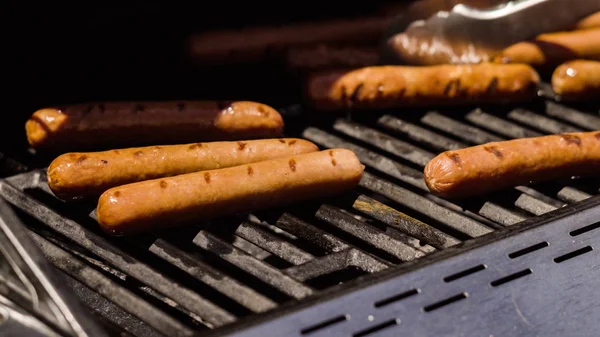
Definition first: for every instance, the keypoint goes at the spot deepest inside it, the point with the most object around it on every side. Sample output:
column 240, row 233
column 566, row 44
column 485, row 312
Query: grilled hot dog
column 254, row 44
column 494, row 166
column 590, row 21
column 549, row 50
column 123, row 124
column 577, row 80
column 78, row 175
column 204, row 195
column 401, row 86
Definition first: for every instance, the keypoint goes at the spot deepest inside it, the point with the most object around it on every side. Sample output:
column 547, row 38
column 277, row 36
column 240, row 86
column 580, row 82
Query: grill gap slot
column 376, row 328
column 511, row 277
column 324, row 324
column 465, row 273
column 445, row 302
column 396, row 298
column 528, row 250
column 573, row 254
column 585, row 229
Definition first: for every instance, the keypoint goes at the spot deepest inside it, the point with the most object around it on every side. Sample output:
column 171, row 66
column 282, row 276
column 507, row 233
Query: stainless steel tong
column 465, row 34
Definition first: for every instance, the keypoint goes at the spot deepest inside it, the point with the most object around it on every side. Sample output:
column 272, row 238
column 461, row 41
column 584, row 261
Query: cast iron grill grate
column 192, row 279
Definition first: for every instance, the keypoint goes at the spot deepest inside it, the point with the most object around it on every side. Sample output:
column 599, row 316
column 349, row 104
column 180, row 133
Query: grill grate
column 190, row 279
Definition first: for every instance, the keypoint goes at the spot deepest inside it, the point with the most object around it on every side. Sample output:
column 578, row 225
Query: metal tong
column 431, row 33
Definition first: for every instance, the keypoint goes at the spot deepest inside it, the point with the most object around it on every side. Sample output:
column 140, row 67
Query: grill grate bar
column 371, row 235
column 390, row 144
column 310, row 233
column 500, row 214
column 111, row 290
column 208, row 275
column 126, row 263
column 419, row 134
column 499, row 125
column 251, row 265
column 582, row 120
column 459, row 130
column 372, row 159
column 424, row 206
column 540, row 122
column 532, row 205
column 273, row 244
column 404, row 223
column 336, row 262
column 572, row 195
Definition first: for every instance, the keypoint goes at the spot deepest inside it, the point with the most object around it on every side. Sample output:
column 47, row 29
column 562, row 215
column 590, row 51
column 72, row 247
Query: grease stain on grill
column 585, row 229
column 464, row 273
column 573, row 254
column 528, row 250
column 511, row 277
column 445, row 302
column 396, row 298
column 324, row 324
column 292, row 164
column 377, row 328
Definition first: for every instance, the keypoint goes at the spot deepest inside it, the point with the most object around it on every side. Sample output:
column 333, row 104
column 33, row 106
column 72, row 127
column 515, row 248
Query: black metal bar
column 499, row 125
column 404, row 223
column 459, row 130
column 188, row 299
column 540, row 122
column 424, row 206
column 371, row 235
column 104, row 286
column 45, row 285
column 208, row 275
column 251, row 265
column 316, row 236
column 582, row 120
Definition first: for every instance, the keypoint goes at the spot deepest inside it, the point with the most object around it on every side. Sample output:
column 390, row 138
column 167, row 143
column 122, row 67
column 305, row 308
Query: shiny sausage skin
column 199, row 196
column 590, row 21
column 494, row 166
column 255, row 44
column 74, row 176
column 401, row 86
column 550, row 50
column 106, row 125
column 331, row 57
column 577, row 80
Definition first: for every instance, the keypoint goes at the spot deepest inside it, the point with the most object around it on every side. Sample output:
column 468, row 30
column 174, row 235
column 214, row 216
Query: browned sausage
column 577, row 80
column 331, row 57
column 550, row 50
column 494, row 166
column 107, row 125
column 152, row 204
column 254, row 44
column 590, row 21
column 79, row 175
column 400, row 86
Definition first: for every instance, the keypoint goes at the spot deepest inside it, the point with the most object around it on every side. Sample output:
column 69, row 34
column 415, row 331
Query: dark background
column 59, row 53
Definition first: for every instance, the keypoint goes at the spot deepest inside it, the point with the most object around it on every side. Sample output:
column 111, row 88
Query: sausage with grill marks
column 403, row 86
column 194, row 197
column 494, row 166
column 79, row 175
column 105, row 125
column 552, row 49
column 577, row 80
